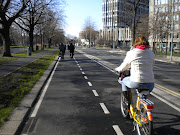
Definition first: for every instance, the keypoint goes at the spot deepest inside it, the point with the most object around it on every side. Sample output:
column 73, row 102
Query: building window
column 176, row 1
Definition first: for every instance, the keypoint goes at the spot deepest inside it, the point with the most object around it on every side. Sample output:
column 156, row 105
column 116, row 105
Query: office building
column 116, row 21
column 164, row 24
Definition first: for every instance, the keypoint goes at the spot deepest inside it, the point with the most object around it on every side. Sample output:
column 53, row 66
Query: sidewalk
column 175, row 60
column 8, row 68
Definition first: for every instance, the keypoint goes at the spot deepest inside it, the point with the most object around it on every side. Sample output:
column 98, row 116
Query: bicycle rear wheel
column 146, row 127
column 124, row 107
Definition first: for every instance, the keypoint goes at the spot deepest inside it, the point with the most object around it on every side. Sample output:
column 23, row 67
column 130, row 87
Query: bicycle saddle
column 143, row 91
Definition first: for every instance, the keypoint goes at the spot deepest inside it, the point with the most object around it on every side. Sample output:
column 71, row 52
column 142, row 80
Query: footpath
column 8, row 68
column 20, row 113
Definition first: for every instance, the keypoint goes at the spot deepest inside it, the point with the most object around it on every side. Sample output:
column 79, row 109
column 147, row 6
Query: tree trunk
column 31, row 38
column 49, row 43
column 133, row 32
column 6, row 43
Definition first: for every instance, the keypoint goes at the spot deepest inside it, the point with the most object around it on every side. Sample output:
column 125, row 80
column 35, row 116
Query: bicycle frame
column 141, row 113
column 149, row 105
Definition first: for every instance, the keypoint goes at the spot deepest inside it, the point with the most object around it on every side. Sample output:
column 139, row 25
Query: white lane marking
column 168, row 103
column 95, row 93
column 78, row 64
column 83, row 73
column 89, row 83
column 44, row 92
column 117, row 130
column 80, row 69
column 106, row 67
column 104, row 108
column 85, row 77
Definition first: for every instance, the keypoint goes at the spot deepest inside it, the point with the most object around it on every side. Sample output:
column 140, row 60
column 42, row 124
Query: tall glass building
column 116, row 21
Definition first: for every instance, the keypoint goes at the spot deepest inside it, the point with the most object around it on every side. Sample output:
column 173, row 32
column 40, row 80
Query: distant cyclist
column 71, row 48
column 140, row 60
column 62, row 49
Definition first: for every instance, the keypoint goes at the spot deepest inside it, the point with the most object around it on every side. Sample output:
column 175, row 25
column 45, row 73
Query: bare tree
column 16, row 35
column 53, row 26
column 160, row 28
column 132, row 11
column 9, row 11
column 35, row 10
column 89, row 31
column 142, row 28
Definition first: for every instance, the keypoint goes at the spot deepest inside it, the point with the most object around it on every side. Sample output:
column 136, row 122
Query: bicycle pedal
column 130, row 116
column 134, row 129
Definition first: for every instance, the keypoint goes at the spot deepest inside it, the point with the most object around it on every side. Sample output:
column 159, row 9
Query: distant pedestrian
column 62, row 49
column 71, row 48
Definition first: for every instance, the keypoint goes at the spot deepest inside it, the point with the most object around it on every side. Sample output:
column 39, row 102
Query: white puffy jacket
column 141, row 62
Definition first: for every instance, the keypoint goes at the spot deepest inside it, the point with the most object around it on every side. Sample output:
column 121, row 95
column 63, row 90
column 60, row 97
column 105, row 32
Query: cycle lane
column 166, row 119
column 69, row 105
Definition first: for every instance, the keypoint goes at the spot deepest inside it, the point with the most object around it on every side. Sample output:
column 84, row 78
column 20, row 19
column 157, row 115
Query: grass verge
column 17, row 84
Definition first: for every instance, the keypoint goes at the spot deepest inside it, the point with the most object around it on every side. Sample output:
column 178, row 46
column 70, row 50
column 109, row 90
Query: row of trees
column 89, row 31
column 29, row 17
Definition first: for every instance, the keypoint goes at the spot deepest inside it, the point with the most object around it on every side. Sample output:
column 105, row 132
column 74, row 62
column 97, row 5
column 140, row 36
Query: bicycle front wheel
column 124, row 107
column 146, row 127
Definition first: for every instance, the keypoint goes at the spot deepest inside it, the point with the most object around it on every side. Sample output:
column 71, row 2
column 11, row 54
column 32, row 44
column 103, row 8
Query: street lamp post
column 113, row 24
column 172, row 27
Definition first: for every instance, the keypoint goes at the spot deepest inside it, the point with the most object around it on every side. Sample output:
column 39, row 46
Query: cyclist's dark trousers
column 61, row 54
column 71, row 54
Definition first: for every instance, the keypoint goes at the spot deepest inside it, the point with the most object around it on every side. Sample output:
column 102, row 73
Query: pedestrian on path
column 62, row 49
column 71, row 48
column 140, row 60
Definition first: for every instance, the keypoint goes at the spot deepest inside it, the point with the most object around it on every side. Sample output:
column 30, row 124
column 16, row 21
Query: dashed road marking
column 117, row 130
column 85, row 77
column 95, row 93
column 90, row 84
column 104, row 108
column 83, row 73
column 80, row 69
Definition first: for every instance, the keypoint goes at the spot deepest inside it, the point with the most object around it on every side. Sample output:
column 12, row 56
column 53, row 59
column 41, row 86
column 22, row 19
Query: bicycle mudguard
column 149, row 116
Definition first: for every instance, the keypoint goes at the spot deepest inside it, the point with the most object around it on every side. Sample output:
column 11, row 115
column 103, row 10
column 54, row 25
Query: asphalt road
column 71, row 105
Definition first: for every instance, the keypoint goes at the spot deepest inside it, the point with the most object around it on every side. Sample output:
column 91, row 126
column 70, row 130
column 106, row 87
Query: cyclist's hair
column 140, row 40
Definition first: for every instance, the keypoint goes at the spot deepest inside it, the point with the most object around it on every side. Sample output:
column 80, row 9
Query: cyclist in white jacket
column 140, row 60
